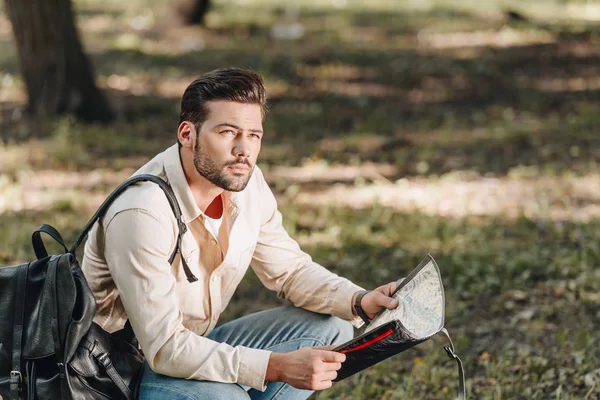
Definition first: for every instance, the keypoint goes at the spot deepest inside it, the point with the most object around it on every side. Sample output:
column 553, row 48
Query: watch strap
column 358, row 308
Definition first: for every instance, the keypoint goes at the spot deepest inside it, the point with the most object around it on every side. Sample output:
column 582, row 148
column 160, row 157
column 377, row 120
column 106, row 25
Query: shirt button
column 215, row 317
column 213, row 242
column 214, row 278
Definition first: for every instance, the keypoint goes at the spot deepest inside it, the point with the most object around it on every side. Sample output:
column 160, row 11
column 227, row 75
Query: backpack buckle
column 16, row 378
column 105, row 360
column 16, row 375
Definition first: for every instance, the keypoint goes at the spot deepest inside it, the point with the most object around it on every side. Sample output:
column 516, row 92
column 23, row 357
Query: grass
column 482, row 132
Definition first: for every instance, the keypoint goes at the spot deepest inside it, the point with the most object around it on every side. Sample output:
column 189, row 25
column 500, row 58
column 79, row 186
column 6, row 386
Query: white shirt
column 213, row 225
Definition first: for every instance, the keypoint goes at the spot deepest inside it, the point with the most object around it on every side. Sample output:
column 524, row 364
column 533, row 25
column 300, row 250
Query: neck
column 203, row 190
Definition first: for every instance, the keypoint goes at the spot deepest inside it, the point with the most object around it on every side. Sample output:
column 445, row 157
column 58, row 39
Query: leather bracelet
column 358, row 308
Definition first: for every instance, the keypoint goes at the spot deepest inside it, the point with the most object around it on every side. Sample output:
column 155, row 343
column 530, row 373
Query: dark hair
column 233, row 84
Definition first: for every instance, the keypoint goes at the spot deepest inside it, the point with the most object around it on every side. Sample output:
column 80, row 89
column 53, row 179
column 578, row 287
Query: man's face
column 228, row 143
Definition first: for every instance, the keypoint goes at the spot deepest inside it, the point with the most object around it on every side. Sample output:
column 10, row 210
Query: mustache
column 239, row 161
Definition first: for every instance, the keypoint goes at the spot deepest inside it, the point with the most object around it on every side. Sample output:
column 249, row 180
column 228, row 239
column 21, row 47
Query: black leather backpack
column 50, row 348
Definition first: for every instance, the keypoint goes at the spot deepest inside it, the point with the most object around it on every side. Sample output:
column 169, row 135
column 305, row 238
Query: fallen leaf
column 558, row 292
column 526, row 314
column 518, row 295
column 592, row 378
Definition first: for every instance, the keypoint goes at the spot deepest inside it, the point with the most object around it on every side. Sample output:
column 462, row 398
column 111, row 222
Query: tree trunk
column 58, row 76
column 192, row 12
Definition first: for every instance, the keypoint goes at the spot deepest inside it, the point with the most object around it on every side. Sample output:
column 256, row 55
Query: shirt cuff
column 253, row 367
column 340, row 301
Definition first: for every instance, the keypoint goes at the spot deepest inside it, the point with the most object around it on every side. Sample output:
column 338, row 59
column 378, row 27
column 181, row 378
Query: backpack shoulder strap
column 182, row 228
column 461, row 371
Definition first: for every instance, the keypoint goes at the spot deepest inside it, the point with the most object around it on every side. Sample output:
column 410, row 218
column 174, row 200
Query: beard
column 209, row 169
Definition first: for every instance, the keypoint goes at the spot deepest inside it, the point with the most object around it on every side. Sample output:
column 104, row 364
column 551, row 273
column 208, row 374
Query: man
column 232, row 221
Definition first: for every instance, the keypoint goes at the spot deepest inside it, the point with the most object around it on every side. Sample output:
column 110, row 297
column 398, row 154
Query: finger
column 331, row 366
column 385, row 301
column 388, row 289
column 322, row 385
column 328, row 375
column 328, row 348
column 332, row 357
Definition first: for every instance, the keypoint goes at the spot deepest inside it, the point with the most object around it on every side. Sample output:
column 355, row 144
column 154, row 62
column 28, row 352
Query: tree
column 192, row 12
column 58, row 75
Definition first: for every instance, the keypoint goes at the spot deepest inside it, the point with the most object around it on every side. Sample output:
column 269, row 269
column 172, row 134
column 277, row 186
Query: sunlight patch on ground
column 586, row 12
column 574, row 49
column 455, row 195
column 364, row 35
column 144, row 84
column 327, row 238
column 548, row 197
column 571, row 84
column 5, row 27
column 16, row 159
column 505, row 37
column 323, row 173
column 44, row 189
column 11, row 88
column 98, row 24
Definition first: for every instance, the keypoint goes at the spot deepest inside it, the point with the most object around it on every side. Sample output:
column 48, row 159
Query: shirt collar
column 176, row 177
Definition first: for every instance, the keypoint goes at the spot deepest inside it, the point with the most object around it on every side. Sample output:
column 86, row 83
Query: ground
column 469, row 131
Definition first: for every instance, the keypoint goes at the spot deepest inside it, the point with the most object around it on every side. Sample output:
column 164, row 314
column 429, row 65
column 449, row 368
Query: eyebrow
column 236, row 127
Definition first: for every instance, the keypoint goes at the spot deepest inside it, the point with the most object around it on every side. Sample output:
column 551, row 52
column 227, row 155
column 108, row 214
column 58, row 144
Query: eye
column 255, row 135
column 228, row 132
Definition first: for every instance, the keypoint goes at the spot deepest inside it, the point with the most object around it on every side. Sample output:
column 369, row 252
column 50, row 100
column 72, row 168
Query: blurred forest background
column 465, row 129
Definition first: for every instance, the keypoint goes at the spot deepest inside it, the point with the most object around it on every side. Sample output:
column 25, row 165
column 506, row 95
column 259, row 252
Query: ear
column 186, row 134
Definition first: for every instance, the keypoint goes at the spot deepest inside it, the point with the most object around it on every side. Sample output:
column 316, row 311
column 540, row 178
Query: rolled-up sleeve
column 283, row 267
column 137, row 248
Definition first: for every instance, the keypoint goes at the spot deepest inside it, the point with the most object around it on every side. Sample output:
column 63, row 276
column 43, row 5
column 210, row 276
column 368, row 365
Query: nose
column 241, row 148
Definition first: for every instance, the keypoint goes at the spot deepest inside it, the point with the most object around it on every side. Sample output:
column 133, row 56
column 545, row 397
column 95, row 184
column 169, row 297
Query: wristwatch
column 359, row 310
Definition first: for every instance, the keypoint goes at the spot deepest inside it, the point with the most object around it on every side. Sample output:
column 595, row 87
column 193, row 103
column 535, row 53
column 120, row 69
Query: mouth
column 239, row 168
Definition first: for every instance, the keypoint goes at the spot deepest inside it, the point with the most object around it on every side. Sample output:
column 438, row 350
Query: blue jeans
column 281, row 330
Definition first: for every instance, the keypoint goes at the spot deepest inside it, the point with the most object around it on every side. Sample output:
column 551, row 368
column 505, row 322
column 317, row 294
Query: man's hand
column 372, row 303
column 311, row 368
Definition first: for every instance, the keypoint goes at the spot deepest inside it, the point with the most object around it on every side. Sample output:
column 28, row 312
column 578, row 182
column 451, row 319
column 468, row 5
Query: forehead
column 223, row 111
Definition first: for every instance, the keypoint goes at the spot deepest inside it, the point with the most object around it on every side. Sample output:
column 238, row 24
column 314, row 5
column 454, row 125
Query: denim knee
column 200, row 391
column 338, row 331
column 160, row 387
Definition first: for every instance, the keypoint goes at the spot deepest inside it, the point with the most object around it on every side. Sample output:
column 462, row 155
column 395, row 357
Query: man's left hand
column 373, row 302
